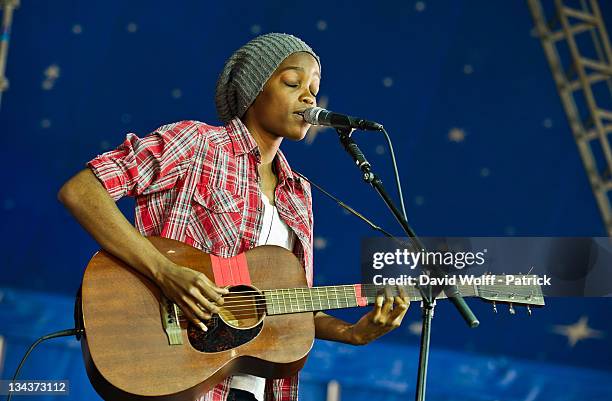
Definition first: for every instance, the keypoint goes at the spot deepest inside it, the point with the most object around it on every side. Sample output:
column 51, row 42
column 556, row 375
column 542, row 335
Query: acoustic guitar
column 138, row 346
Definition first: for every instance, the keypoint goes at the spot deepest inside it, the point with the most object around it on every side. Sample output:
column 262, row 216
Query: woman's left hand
column 386, row 315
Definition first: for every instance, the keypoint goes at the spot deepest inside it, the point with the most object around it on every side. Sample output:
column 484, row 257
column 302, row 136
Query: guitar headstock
column 514, row 289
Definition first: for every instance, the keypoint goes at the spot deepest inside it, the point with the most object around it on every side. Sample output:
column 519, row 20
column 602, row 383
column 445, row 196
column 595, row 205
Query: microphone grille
column 311, row 115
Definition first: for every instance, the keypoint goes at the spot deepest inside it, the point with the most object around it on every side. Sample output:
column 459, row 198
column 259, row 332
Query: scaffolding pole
column 8, row 6
column 571, row 28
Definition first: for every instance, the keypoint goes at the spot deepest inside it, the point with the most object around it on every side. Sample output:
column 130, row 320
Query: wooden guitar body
column 127, row 351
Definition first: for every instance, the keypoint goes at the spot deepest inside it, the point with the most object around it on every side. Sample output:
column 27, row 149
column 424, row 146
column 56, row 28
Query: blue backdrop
column 463, row 88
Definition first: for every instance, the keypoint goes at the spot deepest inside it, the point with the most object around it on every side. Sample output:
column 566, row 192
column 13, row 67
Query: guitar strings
column 234, row 299
column 368, row 287
column 237, row 313
column 501, row 290
column 335, row 293
column 296, row 303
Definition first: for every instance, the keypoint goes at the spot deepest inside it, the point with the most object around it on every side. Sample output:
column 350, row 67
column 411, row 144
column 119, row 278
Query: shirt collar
column 283, row 170
column 243, row 142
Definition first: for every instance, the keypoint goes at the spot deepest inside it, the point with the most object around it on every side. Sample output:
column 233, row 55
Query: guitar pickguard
column 220, row 336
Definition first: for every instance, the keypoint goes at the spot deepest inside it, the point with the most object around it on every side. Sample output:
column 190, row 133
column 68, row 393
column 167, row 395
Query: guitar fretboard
column 295, row 300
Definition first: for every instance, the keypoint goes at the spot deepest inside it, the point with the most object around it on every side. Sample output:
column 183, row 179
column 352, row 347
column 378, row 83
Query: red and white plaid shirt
column 198, row 184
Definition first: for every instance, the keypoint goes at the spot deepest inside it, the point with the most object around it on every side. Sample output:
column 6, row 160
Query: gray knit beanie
column 249, row 68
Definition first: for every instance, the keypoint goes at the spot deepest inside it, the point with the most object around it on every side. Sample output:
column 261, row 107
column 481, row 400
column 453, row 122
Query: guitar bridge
column 170, row 321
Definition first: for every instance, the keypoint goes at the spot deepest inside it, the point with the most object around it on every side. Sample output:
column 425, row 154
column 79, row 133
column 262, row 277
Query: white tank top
column 274, row 231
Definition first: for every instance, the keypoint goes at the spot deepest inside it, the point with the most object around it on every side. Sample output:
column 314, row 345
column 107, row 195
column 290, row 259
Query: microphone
column 320, row 116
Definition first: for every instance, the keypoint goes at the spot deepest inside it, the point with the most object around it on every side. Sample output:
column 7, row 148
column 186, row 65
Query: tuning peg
column 494, row 307
column 511, row 309
column 529, row 310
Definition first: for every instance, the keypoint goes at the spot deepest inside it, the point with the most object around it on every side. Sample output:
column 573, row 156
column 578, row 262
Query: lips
column 300, row 117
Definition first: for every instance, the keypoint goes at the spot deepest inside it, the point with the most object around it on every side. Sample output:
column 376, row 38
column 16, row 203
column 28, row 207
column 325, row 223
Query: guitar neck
column 296, row 300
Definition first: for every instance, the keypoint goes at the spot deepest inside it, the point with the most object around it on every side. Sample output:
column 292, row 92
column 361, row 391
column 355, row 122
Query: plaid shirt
column 199, row 184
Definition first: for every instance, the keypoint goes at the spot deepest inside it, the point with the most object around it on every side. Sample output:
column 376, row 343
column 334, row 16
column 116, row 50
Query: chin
column 299, row 135
column 295, row 134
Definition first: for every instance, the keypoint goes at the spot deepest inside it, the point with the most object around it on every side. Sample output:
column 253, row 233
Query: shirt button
column 259, row 208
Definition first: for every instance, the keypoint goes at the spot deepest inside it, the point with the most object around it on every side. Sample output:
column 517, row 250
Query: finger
column 397, row 321
column 401, row 302
column 210, row 290
column 198, row 309
column 202, row 300
column 402, row 294
column 190, row 316
column 388, row 305
column 378, row 308
column 399, row 309
column 404, row 297
column 220, row 290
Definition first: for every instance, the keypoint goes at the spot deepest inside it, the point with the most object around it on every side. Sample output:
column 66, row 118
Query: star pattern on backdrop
column 578, row 331
column 313, row 131
column 456, row 135
column 415, row 328
column 320, row 243
column 52, row 73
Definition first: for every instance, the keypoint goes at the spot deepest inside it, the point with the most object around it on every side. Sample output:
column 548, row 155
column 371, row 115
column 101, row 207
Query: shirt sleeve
column 146, row 165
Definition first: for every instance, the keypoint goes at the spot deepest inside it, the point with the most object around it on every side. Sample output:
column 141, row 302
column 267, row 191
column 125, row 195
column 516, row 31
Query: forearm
column 330, row 328
column 87, row 200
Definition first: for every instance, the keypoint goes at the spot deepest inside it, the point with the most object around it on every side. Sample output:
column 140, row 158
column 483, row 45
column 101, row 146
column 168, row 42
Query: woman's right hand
column 195, row 294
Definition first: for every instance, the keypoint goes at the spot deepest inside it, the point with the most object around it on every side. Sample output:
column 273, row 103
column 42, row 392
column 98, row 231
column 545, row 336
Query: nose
column 308, row 98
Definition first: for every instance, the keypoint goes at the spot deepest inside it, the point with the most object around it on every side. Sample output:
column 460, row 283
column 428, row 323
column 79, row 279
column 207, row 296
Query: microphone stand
column 428, row 292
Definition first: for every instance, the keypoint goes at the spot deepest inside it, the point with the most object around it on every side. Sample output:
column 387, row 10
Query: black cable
column 346, row 207
column 62, row 333
column 397, row 178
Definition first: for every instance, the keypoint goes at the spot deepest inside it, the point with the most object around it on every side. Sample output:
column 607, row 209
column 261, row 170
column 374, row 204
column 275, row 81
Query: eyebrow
column 295, row 67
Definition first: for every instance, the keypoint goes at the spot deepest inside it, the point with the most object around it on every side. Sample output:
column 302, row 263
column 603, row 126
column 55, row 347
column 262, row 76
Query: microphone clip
column 344, row 134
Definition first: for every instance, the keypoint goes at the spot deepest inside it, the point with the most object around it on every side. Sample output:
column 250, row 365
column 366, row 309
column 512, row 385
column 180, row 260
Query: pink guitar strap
column 230, row 271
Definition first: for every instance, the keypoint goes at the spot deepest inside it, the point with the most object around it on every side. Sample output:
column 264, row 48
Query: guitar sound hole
column 240, row 320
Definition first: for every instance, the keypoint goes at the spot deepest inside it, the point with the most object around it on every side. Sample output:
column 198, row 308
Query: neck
column 267, row 142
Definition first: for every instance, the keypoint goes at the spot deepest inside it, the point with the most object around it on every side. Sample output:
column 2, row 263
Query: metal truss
column 7, row 6
column 577, row 47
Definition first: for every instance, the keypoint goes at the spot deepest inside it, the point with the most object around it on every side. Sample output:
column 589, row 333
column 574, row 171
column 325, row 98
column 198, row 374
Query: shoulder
column 217, row 136
column 193, row 132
